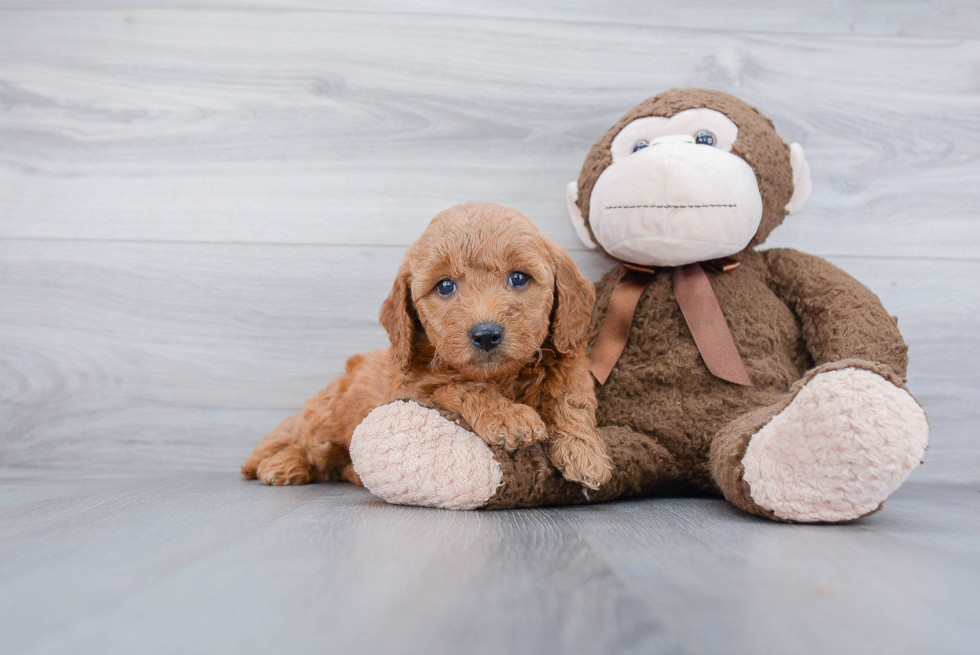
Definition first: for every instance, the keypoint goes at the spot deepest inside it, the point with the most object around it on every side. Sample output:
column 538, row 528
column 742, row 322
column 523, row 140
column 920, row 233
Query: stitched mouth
column 665, row 206
column 672, row 240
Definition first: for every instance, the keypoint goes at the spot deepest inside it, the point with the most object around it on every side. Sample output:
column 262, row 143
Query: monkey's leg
column 840, row 442
column 410, row 454
column 641, row 466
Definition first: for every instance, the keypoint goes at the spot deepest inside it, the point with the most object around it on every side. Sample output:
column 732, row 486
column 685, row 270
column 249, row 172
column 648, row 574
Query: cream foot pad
column 847, row 440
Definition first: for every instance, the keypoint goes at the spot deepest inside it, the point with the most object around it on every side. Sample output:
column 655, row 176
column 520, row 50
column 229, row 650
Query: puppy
column 487, row 319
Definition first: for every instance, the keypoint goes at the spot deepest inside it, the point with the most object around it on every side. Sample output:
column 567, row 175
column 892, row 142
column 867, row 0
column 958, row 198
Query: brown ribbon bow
column 701, row 311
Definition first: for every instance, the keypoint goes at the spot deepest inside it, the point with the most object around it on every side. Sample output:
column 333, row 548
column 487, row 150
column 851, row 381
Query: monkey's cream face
column 675, row 193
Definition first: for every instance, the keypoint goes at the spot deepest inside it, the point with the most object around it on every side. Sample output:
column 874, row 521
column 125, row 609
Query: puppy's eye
column 640, row 145
column 704, row 138
column 445, row 287
column 518, row 279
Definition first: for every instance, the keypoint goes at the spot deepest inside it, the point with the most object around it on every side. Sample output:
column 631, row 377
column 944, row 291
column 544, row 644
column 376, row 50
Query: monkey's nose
column 486, row 336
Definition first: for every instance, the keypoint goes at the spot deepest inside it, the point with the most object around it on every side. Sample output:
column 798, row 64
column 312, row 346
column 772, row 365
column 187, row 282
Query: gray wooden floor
column 207, row 563
column 203, row 203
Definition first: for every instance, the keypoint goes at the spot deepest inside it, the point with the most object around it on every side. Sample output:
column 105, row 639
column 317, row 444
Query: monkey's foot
column 845, row 442
column 407, row 454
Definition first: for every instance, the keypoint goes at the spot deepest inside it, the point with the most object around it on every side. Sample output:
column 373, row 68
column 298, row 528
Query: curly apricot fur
column 535, row 386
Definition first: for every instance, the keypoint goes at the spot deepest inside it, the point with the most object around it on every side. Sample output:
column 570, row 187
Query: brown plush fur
column 534, row 387
column 668, row 423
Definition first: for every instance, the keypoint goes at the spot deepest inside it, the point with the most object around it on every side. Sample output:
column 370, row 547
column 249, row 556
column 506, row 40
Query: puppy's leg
column 299, row 450
column 574, row 446
column 291, row 455
column 312, row 446
column 580, row 455
column 498, row 420
column 283, row 436
column 281, row 458
column 287, row 467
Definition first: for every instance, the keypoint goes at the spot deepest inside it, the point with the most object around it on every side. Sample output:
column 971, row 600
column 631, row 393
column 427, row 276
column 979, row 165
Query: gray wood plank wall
column 202, row 204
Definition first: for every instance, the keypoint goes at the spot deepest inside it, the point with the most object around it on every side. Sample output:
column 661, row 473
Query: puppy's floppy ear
column 398, row 318
column 574, row 298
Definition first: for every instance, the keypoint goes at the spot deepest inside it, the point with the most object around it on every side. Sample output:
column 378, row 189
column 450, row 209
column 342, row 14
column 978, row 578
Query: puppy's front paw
column 516, row 426
column 581, row 458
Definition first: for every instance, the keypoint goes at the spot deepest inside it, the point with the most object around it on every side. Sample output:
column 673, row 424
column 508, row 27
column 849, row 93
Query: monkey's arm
column 840, row 317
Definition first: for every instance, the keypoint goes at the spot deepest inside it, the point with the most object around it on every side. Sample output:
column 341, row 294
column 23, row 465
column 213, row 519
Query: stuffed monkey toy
column 770, row 377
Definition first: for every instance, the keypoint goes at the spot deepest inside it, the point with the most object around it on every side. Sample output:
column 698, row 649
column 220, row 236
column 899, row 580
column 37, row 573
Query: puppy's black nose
column 486, row 336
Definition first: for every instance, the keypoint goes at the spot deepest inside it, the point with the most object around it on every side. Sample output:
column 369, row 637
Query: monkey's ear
column 575, row 214
column 801, row 179
column 574, row 298
column 398, row 318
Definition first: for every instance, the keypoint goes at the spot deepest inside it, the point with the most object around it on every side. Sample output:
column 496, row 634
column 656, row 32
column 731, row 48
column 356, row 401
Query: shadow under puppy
column 488, row 320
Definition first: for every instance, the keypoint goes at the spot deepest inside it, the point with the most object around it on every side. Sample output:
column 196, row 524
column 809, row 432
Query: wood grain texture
column 203, row 208
column 951, row 18
column 356, row 127
column 205, row 563
column 181, row 355
column 203, row 203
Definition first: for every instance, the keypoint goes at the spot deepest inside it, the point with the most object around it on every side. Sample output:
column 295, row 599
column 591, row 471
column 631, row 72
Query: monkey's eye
column 704, row 138
column 640, row 145
column 446, row 287
column 518, row 280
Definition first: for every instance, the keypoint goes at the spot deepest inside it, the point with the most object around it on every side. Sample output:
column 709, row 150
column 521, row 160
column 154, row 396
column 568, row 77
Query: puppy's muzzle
column 486, row 336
